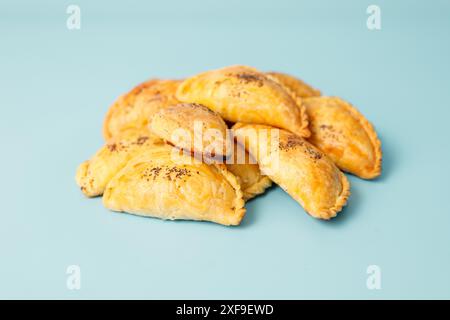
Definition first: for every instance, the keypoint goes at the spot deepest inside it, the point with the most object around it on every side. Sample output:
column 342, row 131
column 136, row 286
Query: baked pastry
column 345, row 135
column 244, row 94
column 183, row 117
column 134, row 110
column 93, row 175
column 152, row 184
column 299, row 87
column 194, row 128
column 303, row 171
column 245, row 167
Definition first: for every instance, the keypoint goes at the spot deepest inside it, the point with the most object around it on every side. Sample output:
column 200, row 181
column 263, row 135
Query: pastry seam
column 239, row 210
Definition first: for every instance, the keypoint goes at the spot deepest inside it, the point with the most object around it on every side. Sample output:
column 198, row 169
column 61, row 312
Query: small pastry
column 194, row 128
column 152, row 184
column 244, row 94
column 303, row 171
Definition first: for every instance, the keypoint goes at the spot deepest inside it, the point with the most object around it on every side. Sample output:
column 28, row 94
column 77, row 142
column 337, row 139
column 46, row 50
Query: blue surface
column 57, row 85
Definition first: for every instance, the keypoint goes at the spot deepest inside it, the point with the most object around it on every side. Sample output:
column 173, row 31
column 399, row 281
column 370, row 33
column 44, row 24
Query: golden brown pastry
column 135, row 109
column 194, row 128
column 244, row 94
column 252, row 181
column 300, row 88
column 152, row 184
column 345, row 135
column 93, row 175
column 303, row 171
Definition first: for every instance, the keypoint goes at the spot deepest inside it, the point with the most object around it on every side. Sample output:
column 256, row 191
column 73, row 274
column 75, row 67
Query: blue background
column 56, row 86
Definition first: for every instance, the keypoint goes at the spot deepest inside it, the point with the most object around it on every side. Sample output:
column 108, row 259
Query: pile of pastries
column 155, row 163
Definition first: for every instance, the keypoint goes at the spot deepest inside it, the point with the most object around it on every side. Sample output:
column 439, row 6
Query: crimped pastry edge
column 80, row 176
column 304, row 131
column 239, row 211
column 341, row 200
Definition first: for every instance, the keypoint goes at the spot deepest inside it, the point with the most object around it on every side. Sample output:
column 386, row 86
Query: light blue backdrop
column 56, row 86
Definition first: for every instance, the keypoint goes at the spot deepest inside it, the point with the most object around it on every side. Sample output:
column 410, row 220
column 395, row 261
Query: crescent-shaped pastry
column 194, row 128
column 93, row 175
column 152, row 184
column 298, row 87
column 134, row 110
column 303, row 171
column 243, row 166
column 244, row 94
column 345, row 135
